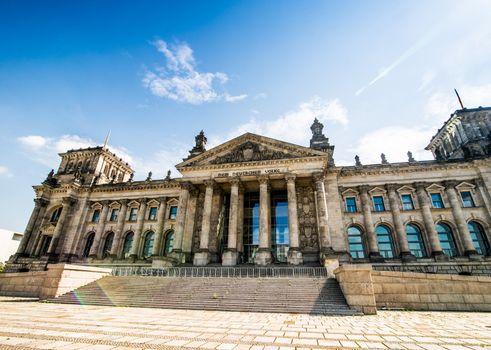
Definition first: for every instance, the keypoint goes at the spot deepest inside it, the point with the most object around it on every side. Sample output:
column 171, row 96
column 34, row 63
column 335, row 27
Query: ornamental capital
column 318, row 176
column 392, row 187
column 289, row 177
column 421, row 185
column 450, row 184
column 364, row 188
column 41, row 202
column 68, row 201
column 263, row 179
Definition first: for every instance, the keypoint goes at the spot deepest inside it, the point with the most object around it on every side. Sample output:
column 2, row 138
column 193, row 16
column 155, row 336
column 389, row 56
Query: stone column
column 139, row 228
column 394, row 200
column 324, row 234
column 240, row 222
column 366, row 204
column 39, row 203
column 202, row 257
column 67, row 205
column 160, row 226
column 230, row 255
column 294, row 254
column 263, row 255
column 119, row 229
column 485, row 197
column 94, row 250
column 458, row 214
column 180, row 221
column 424, row 204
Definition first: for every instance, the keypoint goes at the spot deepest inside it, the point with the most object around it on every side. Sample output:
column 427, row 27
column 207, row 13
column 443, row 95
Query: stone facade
column 227, row 207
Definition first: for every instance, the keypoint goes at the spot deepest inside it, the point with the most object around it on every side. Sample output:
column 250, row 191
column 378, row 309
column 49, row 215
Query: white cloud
column 4, row 171
column 180, row 81
column 443, row 103
column 45, row 150
column 394, row 142
column 293, row 126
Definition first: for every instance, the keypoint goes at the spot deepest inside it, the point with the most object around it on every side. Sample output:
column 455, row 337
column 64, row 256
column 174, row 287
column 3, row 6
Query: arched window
column 169, row 243
column 479, row 238
column 148, row 245
column 108, row 243
column 128, row 242
column 384, row 241
column 355, row 243
column 55, row 215
column 446, row 239
column 415, row 241
column 88, row 244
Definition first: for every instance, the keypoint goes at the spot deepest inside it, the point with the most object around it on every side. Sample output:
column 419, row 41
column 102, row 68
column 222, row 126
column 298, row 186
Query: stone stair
column 291, row 295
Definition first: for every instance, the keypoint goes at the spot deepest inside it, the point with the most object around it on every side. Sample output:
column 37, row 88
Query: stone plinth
column 356, row 283
column 230, row 258
column 201, row 258
column 294, row 257
column 263, row 257
column 163, row 261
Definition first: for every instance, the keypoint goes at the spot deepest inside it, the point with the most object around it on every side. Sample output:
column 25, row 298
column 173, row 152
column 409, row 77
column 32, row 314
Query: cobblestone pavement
column 33, row 325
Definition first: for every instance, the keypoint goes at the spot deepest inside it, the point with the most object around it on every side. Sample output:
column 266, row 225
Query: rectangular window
column 173, row 212
column 378, row 203
column 114, row 215
column 96, row 215
column 351, row 205
column 436, row 200
column 467, row 199
column 152, row 214
column 407, row 202
column 133, row 214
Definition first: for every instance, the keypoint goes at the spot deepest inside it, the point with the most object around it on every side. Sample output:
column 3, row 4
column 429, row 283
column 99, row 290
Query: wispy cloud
column 180, row 81
column 45, row 150
column 5, row 171
column 292, row 126
column 385, row 71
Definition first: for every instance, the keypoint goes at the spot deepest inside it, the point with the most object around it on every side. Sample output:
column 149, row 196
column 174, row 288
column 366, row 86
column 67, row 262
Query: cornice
column 252, row 164
column 402, row 168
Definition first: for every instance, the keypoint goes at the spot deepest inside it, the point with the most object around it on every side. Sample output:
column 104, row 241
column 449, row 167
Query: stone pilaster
column 230, row 255
column 202, row 257
column 240, row 220
column 39, row 204
column 263, row 255
column 119, row 228
column 180, row 221
column 294, row 254
column 160, row 226
column 326, row 251
column 94, row 250
column 424, row 204
column 67, row 205
column 139, row 228
column 366, row 204
column 394, row 200
column 462, row 228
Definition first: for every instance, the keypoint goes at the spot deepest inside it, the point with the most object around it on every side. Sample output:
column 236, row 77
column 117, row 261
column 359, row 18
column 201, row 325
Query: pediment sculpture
column 251, row 152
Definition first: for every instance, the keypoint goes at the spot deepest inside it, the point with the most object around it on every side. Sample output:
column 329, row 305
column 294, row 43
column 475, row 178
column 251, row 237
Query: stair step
column 312, row 295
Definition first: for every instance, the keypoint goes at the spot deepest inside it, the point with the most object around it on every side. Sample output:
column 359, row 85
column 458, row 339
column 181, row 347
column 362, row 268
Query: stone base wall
column 57, row 280
column 357, row 286
column 436, row 292
column 22, row 284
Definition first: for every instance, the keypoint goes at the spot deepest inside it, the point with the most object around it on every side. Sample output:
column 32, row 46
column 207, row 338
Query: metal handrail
column 221, row 272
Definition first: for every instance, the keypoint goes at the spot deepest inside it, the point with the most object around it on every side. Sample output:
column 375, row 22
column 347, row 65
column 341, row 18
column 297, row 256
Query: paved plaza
column 34, row 325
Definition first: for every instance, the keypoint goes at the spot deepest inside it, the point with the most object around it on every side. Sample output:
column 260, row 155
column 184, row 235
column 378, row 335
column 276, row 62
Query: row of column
column 429, row 224
column 263, row 255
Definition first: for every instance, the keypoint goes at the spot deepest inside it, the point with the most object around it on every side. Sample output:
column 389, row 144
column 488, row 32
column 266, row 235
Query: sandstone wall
column 58, row 280
column 422, row 291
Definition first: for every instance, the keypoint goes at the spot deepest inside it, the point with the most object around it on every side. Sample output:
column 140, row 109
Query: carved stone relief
column 307, row 222
column 250, row 152
column 199, row 218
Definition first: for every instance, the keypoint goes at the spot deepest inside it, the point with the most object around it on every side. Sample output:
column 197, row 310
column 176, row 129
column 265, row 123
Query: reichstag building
column 262, row 201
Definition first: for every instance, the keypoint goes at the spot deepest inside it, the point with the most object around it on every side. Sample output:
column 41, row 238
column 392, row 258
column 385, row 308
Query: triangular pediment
column 250, row 148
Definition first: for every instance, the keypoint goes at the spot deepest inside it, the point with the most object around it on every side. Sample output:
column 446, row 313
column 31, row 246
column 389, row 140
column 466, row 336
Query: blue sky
column 378, row 74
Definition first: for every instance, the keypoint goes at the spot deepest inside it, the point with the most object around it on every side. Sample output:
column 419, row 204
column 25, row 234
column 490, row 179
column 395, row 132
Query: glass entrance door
column 251, row 227
column 279, row 226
